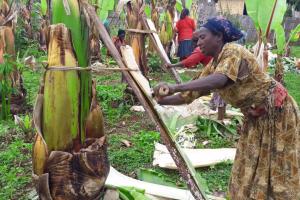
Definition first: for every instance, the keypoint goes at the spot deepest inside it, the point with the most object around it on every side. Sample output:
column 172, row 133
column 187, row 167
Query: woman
column 267, row 162
column 185, row 28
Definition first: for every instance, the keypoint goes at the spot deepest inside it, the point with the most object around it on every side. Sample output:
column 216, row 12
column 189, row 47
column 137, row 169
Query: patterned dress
column 267, row 163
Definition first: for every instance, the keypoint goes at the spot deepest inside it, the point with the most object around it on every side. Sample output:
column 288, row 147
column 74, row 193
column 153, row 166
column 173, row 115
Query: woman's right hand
column 169, row 65
column 163, row 90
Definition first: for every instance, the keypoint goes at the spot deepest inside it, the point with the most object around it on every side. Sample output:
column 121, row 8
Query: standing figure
column 185, row 28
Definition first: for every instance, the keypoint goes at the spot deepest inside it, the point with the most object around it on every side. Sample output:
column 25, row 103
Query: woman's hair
column 185, row 12
column 220, row 25
column 121, row 32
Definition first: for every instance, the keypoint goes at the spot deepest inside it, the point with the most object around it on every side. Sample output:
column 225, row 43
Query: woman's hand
column 163, row 90
column 169, row 65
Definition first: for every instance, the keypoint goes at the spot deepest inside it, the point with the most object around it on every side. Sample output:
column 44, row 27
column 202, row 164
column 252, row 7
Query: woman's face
column 208, row 42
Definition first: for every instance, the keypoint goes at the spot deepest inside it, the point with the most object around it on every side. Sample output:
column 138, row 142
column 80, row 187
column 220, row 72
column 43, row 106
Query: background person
column 185, row 28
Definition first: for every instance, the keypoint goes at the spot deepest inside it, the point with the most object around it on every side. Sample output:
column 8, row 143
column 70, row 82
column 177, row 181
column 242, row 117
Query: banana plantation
column 83, row 86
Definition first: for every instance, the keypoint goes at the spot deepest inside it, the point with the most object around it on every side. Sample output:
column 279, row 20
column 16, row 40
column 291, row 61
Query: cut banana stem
column 61, row 92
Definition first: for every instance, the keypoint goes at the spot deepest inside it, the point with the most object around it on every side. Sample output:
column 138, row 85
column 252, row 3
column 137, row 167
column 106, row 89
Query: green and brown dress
column 267, row 162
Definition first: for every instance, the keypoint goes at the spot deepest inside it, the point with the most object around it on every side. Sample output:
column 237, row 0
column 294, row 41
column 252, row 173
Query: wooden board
column 116, row 179
column 198, row 157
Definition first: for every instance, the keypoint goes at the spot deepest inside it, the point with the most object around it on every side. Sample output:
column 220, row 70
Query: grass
column 295, row 51
column 15, row 156
column 128, row 159
column 217, row 176
column 292, row 83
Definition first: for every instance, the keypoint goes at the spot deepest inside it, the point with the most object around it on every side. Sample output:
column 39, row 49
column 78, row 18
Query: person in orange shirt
column 185, row 28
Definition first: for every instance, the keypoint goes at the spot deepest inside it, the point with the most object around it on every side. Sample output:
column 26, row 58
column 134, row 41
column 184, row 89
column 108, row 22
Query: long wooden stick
column 159, row 48
column 94, row 69
column 185, row 169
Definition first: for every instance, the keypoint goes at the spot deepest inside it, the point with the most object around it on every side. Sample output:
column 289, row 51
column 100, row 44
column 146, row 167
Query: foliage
column 103, row 7
column 288, row 64
column 131, row 193
column 44, row 7
column 217, row 177
column 129, row 159
column 218, row 135
column 179, row 6
column 294, row 35
column 154, row 62
column 5, row 86
column 295, row 51
column 268, row 15
column 157, row 177
column 111, row 97
column 292, row 83
column 13, row 174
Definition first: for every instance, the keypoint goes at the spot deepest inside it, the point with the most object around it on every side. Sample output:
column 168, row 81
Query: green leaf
column 148, row 11
column 131, row 193
column 294, row 36
column 44, row 7
column 280, row 39
column 265, row 13
column 178, row 6
column 252, row 10
column 188, row 4
column 152, row 176
column 104, row 6
column 261, row 13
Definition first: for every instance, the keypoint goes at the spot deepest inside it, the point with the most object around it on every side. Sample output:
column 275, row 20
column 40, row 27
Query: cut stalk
column 80, row 35
column 62, row 89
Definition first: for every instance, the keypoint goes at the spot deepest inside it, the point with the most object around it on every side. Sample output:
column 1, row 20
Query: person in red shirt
column 185, row 28
column 195, row 58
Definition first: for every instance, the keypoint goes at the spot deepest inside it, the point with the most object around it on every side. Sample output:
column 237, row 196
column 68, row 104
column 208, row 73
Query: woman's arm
column 203, row 85
column 171, row 100
column 199, row 86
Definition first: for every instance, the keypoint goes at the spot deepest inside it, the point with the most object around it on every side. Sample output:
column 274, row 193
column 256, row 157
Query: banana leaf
column 152, row 176
column 266, row 14
column 294, row 36
column 103, row 7
column 131, row 193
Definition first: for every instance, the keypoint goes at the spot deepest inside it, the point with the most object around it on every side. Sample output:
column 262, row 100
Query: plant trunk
column 137, row 40
column 68, row 164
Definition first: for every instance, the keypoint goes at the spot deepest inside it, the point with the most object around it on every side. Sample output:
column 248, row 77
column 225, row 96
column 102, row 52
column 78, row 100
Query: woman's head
column 215, row 33
column 121, row 34
column 185, row 12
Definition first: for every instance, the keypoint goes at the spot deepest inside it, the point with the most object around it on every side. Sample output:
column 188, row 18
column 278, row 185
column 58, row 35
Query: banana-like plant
column 267, row 16
column 9, row 79
column 137, row 40
column 70, row 152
